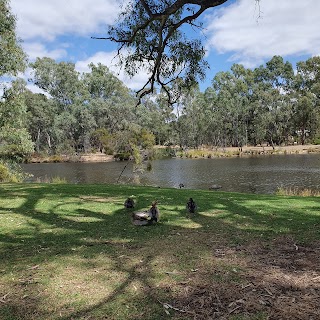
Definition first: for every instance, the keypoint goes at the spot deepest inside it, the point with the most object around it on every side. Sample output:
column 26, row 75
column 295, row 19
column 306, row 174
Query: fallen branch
column 167, row 306
column 3, row 298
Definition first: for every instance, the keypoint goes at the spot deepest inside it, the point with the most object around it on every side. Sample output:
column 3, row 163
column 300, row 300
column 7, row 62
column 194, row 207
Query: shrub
column 297, row 192
column 58, row 180
column 316, row 141
column 12, row 172
column 4, row 173
column 122, row 156
column 55, row 159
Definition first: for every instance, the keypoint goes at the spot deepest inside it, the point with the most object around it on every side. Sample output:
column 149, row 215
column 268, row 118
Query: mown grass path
column 71, row 252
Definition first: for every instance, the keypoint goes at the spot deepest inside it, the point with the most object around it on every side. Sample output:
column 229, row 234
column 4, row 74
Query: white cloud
column 286, row 28
column 109, row 59
column 47, row 19
column 36, row 49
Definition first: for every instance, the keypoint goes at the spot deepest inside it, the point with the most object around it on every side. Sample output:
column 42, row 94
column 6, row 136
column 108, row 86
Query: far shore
column 292, row 149
column 212, row 152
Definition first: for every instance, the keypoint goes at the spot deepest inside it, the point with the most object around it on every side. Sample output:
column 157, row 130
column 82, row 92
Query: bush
column 122, row 156
column 4, row 173
column 316, row 141
column 12, row 172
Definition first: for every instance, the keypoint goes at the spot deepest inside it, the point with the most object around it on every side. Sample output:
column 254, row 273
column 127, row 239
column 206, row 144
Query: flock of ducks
column 152, row 216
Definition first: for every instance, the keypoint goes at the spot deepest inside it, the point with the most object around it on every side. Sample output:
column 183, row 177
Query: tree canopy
column 12, row 57
column 150, row 37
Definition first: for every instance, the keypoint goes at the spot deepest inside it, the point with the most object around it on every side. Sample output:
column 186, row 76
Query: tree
column 110, row 100
column 12, row 57
column 15, row 141
column 41, row 112
column 307, row 99
column 60, row 80
column 150, row 37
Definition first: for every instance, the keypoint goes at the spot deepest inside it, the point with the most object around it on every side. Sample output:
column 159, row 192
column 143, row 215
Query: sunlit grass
column 71, row 252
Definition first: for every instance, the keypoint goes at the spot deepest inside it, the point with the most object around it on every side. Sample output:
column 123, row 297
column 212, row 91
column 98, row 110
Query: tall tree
column 41, row 112
column 60, row 80
column 12, row 57
column 307, row 99
column 15, row 140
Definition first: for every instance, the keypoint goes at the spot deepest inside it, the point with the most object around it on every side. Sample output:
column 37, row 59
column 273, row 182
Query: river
column 264, row 174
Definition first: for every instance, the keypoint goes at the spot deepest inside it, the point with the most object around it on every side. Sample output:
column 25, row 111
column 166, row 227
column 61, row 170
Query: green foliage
column 101, row 140
column 60, row 80
column 58, row 180
column 316, row 141
column 12, row 57
column 150, row 39
column 95, row 111
column 4, row 173
column 10, row 171
column 15, row 143
column 122, row 156
column 15, row 140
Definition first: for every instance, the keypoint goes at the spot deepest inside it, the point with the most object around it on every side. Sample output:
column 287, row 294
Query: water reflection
column 253, row 175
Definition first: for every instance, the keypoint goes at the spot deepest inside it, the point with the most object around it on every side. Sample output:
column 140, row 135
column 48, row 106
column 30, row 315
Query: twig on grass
column 3, row 298
column 167, row 306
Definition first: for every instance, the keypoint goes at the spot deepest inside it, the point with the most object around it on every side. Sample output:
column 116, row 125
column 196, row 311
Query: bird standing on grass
column 129, row 203
column 191, row 206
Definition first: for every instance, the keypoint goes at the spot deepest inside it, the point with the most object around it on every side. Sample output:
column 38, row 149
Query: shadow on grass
column 88, row 224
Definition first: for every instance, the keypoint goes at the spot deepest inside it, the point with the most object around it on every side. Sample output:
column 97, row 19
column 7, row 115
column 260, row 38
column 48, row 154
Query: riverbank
column 187, row 153
column 247, row 151
column 241, row 256
column 88, row 157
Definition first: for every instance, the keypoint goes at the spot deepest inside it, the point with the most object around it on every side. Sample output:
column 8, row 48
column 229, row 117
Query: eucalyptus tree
column 232, row 103
column 212, row 117
column 192, row 122
column 272, row 102
column 307, row 99
column 110, row 101
column 12, row 57
column 60, row 80
column 15, row 140
column 72, row 122
column 153, row 36
column 156, row 116
column 41, row 112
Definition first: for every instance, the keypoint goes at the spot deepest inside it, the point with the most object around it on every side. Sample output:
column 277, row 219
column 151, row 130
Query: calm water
column 254, row 175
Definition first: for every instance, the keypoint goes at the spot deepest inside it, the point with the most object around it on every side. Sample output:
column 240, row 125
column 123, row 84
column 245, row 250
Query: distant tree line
column 96, row 112
column 271, row 104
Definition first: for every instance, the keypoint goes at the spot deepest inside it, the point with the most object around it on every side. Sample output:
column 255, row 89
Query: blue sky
column 233, row 33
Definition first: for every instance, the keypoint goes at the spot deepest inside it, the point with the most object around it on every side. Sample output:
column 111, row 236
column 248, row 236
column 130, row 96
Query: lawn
column 71, row 252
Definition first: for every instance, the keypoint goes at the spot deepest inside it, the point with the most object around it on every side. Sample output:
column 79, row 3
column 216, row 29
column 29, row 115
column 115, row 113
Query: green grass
column 71, row 252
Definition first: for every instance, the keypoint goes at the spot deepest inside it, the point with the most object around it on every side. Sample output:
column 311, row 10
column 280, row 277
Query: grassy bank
column 71, row 252
column 247, row 151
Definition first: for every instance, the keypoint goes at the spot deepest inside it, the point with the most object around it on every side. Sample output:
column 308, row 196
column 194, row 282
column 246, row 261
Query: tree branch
column 151, row 28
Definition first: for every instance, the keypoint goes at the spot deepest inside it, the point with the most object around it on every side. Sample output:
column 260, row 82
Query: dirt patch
column 277, row 281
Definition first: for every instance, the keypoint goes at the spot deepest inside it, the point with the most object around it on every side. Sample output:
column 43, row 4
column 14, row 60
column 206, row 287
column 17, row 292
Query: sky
column 240, row 31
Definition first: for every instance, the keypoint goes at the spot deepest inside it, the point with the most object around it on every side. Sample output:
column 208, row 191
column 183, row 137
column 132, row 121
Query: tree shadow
column 85, row 234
